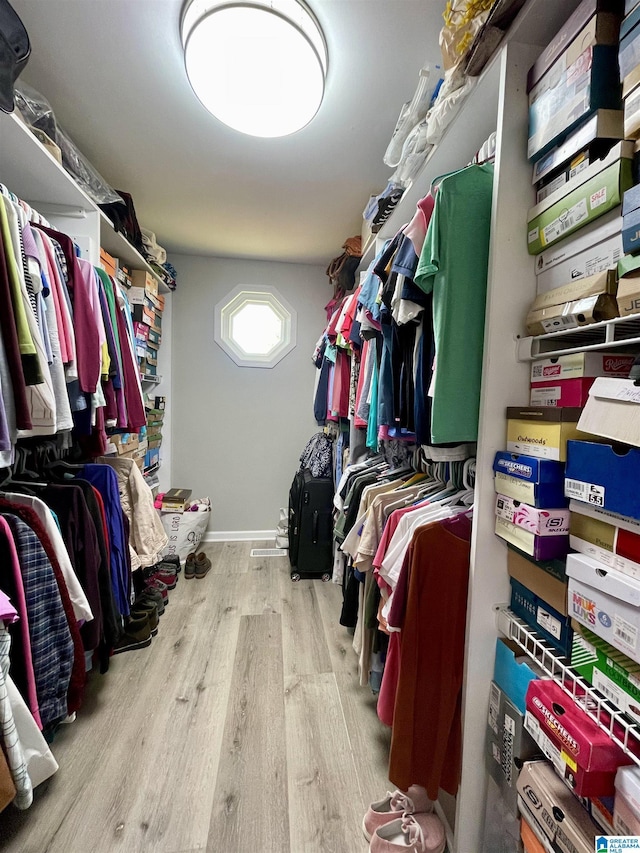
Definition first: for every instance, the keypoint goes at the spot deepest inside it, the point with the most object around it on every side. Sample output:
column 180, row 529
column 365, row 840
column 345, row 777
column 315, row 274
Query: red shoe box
column 561, row 393
column 582, row 753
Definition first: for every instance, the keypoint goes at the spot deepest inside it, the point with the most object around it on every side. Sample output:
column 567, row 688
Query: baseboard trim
column 239, row 535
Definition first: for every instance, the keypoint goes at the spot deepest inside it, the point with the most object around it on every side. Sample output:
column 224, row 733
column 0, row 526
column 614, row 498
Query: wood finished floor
column 241, row 728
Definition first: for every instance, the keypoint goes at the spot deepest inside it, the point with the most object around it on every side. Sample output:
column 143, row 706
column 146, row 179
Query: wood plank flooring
column 242, row 727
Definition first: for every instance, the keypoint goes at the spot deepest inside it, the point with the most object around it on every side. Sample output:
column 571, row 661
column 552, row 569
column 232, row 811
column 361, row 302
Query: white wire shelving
column 618, row 725
column 620, row 332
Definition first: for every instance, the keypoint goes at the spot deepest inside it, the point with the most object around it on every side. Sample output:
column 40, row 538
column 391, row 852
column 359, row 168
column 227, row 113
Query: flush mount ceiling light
column 258, row 66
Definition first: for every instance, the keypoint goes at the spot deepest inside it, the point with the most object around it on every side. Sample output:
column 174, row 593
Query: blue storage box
column 511, row 676
column 631, row 200
column 536, row 482
column 544, row 619
column 599, row 475
column 631, row 232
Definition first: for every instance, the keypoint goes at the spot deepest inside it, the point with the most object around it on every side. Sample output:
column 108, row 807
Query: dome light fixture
column 258, row 66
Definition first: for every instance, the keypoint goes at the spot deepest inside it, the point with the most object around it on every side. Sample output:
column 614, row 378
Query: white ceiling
column 113, row 71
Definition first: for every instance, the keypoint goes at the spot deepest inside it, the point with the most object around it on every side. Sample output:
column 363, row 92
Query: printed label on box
column 608, row 688
column 494, row 707
column 533, row 235
column 545, row 396
column 625, row 633
column 567, row 219
column 598, row 198
column 557, row 324
column 549, row 623
column 587, row 492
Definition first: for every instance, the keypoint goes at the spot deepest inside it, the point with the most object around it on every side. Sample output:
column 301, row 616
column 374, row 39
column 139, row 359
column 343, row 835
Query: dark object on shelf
column 15, row 49
column 485, row 44
column 310, row 526
column 342, row 270
column 123, row 215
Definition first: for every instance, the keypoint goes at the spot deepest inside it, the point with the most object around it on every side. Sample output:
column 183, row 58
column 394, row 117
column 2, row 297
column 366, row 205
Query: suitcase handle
column 316, row 518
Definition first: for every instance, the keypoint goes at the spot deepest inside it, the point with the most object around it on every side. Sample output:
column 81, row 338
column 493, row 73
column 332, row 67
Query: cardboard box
column 141, row 331
column 156, row 337
column 108, row 263
column 585, row 204
column 606, row 28
column 542, row 431
column 144, row 280
column 628, row 296
column 501, row 826
column 594, row 248
column 629, row 48
column 159, row 402
column 626, row 815
column 608, row 670
column 606, row 602
column 513, row 670
column 601, row 541
column 630, row 5
column 564, row 393
column 541, row 522
column 552, row 626
column 152, row 458
column 582, row 753
column 580, row 365
column 630, row 82
column 594, row 285
column 582, row 176
column 141, row 314
column 508, row 745
column 534, row 481
column 613, row 410
column 536, row 579
column 598, row 132
column 622, row 521
column 124, row 442
column 572, row 315
column 598, row 475
column 576, row 85
column 555, row 568
column 551, row 807
column 539, row 547
column 632, row 112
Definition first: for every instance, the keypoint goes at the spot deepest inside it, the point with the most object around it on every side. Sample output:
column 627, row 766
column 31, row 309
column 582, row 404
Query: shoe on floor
column 167, row 576
column 158, row 586
column 137, row 635
column 190, row 566
column 202, row 565
column 153, row 596
column 419, row 833
column 148, row 609
column 172, row 560
column 395, row 806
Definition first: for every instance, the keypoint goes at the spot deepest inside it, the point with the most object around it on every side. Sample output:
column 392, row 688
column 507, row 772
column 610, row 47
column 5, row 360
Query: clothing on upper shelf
column 67, row 354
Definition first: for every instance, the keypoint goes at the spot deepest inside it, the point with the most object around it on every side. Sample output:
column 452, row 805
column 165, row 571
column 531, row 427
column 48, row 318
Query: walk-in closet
column 319, row 426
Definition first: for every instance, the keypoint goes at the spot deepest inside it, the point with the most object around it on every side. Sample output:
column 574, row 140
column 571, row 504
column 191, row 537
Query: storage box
column 155, row 337
column 144, row 280
column 540, row 582
column 555, row 568
column 501, row 827
column 159, row 402
column 601, row 541
column 608, row 670
column 141, row 331
column 551, row 807
column 539, row 547
column 513, row 670
column 596, row 247
column 531, row 842
column 621, row 521
column 152, row 458
column 598, row 475
column 542, row 431
column 124, row 442
column 508, row 745
column 606, row 602
column 561, row 393
column 108, row 263
column 534, row 481
column 572, row 315
column 580, row 365
column 570, row 292
column 582, row 176
column 551, row 625
column 626, row 816
column 576, row 85
column 582, row 753
column 629, row 49
column 581, row 206
column 613, row 410
column 141, row 314
column 541, row 522
column 604, row 18
column 628, row 297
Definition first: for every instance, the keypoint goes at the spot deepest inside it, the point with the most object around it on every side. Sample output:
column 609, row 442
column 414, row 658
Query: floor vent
column 268, row 552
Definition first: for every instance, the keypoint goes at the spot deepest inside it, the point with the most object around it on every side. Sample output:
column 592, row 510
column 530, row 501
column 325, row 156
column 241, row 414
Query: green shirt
column 453, row 264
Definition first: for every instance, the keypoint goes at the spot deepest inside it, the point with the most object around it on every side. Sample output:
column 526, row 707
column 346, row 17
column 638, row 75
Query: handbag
column 14, row 53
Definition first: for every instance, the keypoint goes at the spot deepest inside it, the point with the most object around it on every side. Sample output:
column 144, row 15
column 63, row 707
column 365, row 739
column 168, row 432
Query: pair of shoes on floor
column 174, row 561
column 136, row 634
column 164, row 572
column 404, row 821
column 150, row 596
column 196, row 566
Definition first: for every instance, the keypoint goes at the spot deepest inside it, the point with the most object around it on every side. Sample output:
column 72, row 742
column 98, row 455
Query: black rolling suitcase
column 311, row 526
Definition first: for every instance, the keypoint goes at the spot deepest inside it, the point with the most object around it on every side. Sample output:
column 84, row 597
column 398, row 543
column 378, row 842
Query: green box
column 586, row 203
column 611, row 672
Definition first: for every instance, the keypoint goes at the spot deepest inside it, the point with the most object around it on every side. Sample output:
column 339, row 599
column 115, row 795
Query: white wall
column 237, row 432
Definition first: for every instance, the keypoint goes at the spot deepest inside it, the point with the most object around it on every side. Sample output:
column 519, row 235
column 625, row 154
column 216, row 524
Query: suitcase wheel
column 295, row 577
column 326, row 577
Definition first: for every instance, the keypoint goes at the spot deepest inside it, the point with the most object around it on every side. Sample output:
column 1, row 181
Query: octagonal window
column 255, row 326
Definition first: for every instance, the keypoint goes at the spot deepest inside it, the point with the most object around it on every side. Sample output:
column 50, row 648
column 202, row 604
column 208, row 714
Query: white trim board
column 239, row 535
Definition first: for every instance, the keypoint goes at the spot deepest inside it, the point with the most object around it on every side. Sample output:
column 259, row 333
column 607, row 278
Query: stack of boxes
column 148, row 306
column 155, row 419
column 567, row 493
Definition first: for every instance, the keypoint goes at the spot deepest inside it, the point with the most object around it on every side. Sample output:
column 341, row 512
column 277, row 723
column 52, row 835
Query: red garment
column 84, row 321
column 341, row 384
column 426, row 742
column 135, row 407
column 78, row 671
